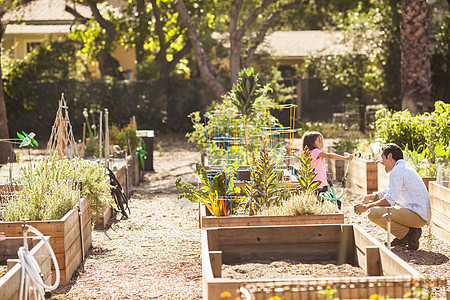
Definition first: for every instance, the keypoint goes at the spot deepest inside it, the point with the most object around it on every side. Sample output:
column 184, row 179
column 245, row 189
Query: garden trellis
column 62, row 139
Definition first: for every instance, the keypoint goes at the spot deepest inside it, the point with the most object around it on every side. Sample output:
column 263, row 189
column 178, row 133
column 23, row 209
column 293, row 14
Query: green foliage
column 126, row 137
column 360, row 70
column 345, row 145
column 306, row 174
column 246, row 91
column 304, row 203
column 215, row 193
column 262, row 191
column 402, row 129
column 441, row 122
column 48, row 190
column 256, row 113
column 422, row 160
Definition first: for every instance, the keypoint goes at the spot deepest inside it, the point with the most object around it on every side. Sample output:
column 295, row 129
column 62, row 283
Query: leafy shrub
column 125, row 137
column 441, row 124
column 48, row 190
column 304, row 203
column 402, row 129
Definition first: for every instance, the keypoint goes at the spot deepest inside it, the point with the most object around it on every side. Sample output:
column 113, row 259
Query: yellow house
column 40, row 19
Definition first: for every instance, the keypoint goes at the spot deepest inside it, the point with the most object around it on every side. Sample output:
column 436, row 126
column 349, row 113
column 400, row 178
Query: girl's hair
column 309, row 138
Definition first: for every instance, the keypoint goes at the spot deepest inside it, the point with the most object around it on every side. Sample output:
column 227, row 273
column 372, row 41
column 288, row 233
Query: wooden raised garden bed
column 208, row 221
column 10, row 282
column 307, row 243
column 362, row 176
column 65, row 235
column 440, row 211
column 383, row 178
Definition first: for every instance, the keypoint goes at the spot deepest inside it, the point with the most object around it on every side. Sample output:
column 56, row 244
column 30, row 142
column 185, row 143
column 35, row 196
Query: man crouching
column 406, row 195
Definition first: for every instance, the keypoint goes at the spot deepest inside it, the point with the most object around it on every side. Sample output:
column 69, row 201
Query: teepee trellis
column 62, row 139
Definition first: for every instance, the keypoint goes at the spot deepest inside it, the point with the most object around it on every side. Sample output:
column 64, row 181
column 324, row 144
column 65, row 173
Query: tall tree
column 249, row 20
column 416, row 57
column 108, row 65
column 158, row 35
column 5, row 147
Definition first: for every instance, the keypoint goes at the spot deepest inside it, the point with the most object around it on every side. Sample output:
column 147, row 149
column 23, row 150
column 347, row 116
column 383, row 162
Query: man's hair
column 395, row 150
column 309, row 139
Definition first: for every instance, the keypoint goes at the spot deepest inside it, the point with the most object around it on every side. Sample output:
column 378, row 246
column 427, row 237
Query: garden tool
column 331, row 194
column 388, row 215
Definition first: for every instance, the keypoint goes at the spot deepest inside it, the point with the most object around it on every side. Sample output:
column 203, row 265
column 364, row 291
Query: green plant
column 403, row 129
column 215, row 193
column 306, row 174
column 262, row 191
column 246, row 91
column 126, row 137
column 422, row 160
column 48, row 190
column 304, row 203
column 345, row 145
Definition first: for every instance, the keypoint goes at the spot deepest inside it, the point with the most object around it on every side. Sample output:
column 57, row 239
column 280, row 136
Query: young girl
column 313, row 140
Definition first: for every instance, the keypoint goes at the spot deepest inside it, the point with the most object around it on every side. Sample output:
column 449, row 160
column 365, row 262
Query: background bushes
column 161, row 105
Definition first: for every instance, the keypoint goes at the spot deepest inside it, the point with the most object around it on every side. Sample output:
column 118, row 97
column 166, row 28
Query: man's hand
column 360, row 208
column 366, row 199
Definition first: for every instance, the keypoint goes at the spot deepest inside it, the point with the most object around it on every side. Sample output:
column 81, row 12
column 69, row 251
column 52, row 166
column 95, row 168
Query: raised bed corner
column 362, row 176
column 10, row 282
column 440, row 211
column 65, row 235
column 337, row 242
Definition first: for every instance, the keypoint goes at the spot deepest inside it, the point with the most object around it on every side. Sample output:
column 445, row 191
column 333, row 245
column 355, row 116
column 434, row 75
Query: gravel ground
column 155, row 254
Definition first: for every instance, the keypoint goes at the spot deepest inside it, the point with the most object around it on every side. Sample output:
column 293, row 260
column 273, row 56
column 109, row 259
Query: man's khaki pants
column 401, row 219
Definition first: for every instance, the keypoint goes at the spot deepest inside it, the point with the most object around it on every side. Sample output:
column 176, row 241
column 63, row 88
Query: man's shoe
column 412, row 238
column 397, row 242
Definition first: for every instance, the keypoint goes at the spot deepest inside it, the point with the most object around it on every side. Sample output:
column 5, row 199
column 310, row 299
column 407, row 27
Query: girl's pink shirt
column 319, row 167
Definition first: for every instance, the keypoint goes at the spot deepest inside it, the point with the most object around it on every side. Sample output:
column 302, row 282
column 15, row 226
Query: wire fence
column 349, row 288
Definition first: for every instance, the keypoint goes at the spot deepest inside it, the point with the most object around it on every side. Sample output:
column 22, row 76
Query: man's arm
column 370, row 201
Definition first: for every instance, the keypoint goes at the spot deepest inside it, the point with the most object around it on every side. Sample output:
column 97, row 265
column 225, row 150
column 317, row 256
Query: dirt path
column 155, row 254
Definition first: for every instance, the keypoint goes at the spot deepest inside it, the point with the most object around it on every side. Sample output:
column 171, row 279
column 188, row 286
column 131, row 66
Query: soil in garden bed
column 289, row 269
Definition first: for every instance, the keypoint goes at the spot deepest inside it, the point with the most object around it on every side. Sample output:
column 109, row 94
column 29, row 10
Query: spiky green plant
column 306, row 174
column 246, row 91
column 263, row 190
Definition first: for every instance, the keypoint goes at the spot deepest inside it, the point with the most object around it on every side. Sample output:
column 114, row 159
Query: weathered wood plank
column 10, row 282
column 305, row 252
column 279, row 234
column 244, row 221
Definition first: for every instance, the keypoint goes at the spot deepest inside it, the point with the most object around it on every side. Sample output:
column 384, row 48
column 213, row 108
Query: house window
column 31, row 46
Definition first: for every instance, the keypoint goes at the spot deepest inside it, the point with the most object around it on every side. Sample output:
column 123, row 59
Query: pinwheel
column 27, row 139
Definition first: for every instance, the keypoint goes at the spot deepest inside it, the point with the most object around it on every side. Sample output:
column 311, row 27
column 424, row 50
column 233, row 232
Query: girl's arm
column 334, row 156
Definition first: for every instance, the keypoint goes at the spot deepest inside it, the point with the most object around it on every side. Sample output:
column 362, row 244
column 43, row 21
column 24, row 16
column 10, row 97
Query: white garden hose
column 30, row 279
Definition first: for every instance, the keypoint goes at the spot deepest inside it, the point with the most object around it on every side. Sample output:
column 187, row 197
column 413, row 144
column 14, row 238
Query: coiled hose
column 30, row 278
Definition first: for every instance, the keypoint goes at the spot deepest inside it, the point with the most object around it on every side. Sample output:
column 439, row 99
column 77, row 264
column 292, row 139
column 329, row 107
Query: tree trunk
column 141, row 27
column 208, row 72
column 6, row 152
column 108, row 65
column 416, row 86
